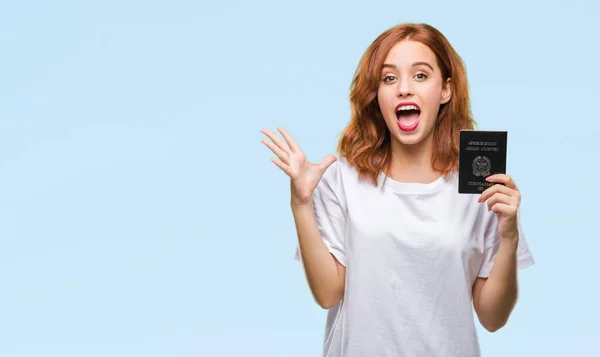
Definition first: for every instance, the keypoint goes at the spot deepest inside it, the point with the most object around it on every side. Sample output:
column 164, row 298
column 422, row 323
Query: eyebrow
column 387, row 65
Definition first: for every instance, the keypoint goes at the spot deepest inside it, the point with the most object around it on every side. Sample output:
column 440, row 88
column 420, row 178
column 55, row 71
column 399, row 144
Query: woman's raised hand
column 304, row 175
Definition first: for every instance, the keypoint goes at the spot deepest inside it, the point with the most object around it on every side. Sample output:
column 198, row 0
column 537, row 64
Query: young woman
column 389, row 247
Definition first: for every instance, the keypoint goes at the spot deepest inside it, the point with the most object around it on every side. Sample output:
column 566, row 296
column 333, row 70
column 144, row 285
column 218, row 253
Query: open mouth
column 408, row 116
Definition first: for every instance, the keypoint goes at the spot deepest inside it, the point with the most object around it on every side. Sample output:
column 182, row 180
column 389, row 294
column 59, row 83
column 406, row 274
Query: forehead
column 406, row 52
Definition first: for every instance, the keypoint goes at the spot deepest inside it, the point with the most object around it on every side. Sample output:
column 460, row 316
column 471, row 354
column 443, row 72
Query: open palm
column 304, row 175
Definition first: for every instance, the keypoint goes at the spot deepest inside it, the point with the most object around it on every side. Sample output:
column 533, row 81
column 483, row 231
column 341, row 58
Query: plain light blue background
column 141, row 216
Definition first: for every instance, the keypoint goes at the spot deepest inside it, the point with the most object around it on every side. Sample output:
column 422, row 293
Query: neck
column 412, row 163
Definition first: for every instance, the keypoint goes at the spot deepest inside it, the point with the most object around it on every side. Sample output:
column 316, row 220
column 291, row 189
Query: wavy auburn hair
column 366, row 143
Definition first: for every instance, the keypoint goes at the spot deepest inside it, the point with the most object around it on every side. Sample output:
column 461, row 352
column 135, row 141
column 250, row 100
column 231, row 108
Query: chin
column 409, row 139
column 414, row 137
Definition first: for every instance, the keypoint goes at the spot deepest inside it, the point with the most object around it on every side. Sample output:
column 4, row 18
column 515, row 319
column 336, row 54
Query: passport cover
column 481, row 154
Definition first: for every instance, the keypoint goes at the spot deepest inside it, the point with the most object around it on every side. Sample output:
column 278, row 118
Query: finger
column 500, row 198
column 504, row 209
column 282, row 166
column 327, row 161
column 283, row 146
column 288, row 138
column 283, row 156
column 490, row 191
column 502, row 178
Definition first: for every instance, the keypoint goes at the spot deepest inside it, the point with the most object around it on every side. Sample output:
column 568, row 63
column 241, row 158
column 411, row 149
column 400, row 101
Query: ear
column 446, row 92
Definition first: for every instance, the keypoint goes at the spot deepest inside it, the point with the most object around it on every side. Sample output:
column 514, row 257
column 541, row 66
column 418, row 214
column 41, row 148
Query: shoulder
column 342, row 173
column 339, row 179
column 339, row 170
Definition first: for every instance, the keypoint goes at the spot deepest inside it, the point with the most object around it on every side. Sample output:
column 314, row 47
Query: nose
column 404, row 88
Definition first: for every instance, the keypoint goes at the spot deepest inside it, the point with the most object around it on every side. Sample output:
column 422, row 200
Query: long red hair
column 365, row 142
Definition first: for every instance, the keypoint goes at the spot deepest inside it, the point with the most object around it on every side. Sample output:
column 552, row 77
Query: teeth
column 408, row 107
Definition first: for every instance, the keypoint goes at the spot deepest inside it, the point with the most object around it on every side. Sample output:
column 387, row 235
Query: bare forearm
column 499, row 293
column 324, row 280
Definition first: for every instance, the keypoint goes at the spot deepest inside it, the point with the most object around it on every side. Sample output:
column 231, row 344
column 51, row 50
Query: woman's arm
column 495, row 297
column 326, row 276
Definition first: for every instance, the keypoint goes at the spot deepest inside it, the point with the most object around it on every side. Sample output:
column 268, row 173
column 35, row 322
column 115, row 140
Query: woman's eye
column 421, row 76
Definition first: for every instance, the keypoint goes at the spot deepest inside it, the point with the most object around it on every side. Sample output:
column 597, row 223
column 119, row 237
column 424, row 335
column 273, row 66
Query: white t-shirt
column 412, row 253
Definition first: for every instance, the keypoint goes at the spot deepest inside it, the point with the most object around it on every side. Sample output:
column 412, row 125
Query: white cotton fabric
column 412, row 253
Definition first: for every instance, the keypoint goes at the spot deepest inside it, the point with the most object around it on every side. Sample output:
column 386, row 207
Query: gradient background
column 140, row 214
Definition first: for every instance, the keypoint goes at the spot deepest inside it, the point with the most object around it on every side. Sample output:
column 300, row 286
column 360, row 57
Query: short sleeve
column 329, row 206
column 492, row 243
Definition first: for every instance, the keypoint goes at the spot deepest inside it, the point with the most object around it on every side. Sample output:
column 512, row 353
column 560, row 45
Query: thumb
column 327, row 161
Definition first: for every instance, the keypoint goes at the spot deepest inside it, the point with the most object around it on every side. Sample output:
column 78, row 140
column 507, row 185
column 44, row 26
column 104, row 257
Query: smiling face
column 411, row 90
